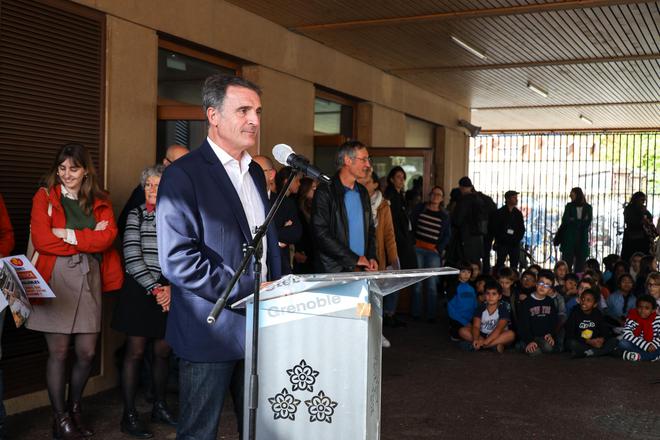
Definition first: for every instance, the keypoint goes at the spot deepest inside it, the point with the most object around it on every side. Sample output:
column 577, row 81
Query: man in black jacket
column 342, row 224
column 508, row 227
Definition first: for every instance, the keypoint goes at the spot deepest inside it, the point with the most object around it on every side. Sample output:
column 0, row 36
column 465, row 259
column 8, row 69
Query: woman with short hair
column 142, row 309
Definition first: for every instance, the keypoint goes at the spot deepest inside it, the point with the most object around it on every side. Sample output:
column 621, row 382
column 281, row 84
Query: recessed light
column 469, row 48
column 536, row 89
column 585, row 119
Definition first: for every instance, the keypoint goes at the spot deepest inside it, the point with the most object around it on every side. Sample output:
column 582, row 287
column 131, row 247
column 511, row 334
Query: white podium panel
column 320, row 354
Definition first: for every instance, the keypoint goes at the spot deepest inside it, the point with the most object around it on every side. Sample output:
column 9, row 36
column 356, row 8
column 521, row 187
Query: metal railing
column 543, row 167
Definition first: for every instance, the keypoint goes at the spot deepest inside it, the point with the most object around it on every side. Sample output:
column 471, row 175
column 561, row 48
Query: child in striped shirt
column 641, row 333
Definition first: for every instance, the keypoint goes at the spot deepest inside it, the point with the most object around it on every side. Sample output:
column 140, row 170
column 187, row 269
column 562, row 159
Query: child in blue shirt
column 490, row 324
column 463, row 302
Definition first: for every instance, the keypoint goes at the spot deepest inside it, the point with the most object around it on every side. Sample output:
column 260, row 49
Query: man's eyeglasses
column 363, row 159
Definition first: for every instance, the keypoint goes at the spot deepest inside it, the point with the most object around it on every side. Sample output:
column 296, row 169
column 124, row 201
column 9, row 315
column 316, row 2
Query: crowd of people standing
column 171, row 269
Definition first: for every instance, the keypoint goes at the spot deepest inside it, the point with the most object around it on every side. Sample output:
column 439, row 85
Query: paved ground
column 431, row 390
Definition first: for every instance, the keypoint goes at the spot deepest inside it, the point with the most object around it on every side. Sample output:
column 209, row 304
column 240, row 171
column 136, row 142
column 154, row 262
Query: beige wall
column 131, row 90
column 452, row 150
column 380, row 126
column 288, row 110
column 229, row 29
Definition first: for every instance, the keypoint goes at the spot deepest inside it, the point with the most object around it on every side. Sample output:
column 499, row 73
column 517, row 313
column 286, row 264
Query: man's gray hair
column 154, row 171
column 215, row 89
column 348, row 149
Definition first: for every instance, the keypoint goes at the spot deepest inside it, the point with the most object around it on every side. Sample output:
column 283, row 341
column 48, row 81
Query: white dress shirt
column 238, row 172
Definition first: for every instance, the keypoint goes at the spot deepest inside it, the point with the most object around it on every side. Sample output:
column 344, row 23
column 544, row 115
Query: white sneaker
column 631, row 356
column 385, row 342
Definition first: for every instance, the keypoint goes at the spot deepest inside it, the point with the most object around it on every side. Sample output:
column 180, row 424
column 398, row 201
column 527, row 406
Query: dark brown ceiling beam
column 467, row 14
column 654, row 56
column 596, row 104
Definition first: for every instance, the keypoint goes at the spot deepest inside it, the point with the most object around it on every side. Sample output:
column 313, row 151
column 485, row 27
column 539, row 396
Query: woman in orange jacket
column 73, row 229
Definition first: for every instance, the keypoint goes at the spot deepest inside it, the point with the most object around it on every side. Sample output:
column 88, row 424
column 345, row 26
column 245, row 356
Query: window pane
column 180, row 78
column 412, row 165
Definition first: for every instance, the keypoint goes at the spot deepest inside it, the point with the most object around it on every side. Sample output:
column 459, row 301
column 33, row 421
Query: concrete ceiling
column 598, row 59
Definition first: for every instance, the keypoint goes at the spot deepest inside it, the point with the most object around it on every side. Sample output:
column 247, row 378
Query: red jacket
column 6, row 231
column 89, row 241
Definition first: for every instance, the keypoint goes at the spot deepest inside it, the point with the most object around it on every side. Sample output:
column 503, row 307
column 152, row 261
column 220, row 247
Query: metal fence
column 543, row 167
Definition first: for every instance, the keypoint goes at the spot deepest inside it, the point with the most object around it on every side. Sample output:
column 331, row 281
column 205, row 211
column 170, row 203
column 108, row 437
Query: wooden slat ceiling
column 601, row 54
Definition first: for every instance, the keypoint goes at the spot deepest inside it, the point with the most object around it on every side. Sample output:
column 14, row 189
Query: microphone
column 285, row 155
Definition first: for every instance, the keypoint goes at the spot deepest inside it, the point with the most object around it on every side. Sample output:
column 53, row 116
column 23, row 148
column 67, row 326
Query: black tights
column 135, row 346
column 58, row 349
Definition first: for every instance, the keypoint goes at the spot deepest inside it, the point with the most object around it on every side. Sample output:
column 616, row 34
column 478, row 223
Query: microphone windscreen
column 281, row 152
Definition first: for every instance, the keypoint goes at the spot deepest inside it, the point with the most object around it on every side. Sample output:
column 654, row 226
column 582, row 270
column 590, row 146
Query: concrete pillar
column 288, row 111
column 451, row 157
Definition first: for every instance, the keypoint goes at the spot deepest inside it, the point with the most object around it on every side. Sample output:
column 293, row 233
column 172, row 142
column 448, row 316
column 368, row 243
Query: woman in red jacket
column 73, row 229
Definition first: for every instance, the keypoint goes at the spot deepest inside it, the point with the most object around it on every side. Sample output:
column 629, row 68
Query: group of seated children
column 537, row 314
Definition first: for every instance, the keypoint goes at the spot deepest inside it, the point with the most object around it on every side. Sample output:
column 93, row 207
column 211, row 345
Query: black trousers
column 507, row 250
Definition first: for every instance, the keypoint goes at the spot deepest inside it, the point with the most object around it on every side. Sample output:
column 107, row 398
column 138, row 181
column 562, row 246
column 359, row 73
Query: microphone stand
column 253, row 249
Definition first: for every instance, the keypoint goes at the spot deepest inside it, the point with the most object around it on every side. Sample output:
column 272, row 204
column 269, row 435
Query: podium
column 320, row 353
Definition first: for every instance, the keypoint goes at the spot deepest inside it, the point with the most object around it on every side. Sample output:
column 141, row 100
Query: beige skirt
column 76, row 308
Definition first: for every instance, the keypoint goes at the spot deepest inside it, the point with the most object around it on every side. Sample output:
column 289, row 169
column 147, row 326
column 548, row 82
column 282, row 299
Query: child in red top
column 641, row 334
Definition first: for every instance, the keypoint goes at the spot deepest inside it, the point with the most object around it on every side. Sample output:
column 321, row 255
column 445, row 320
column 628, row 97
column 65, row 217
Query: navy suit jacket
column 201, row 229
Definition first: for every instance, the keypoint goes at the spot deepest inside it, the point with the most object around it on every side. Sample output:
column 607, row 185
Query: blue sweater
column 462, row 306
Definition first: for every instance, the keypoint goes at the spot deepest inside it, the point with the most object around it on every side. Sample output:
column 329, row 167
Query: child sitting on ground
column 527, row 284
column 506, row 278
column 587, row 334
column 653, row 286
column 489, row 328
column 571, row 294
column 462, row 303
column 622, row 301
column 560, row 304
column 641, row 333
column 479, row 285
column 538, row 318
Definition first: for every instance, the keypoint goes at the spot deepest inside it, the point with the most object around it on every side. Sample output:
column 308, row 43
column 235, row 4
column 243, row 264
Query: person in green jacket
column 575, row 224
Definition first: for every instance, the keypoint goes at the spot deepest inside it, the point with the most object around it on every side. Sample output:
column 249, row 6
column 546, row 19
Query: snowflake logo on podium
column 302, row 377
column 321, row 408
column 284, row 405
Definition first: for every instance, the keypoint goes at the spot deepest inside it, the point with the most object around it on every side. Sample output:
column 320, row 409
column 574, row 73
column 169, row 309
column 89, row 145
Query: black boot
column 162, row 414
column 131, row 425
column 64, row 428
column 76, row 416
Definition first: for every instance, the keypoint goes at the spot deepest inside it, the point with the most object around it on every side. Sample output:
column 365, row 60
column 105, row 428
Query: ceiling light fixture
column 536, row 89
column 469, row 48
column 585, row 119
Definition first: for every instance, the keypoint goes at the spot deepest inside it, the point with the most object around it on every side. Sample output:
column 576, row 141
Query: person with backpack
column 470, row 219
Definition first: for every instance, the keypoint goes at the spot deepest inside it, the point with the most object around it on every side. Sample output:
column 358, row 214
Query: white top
column 238, row 172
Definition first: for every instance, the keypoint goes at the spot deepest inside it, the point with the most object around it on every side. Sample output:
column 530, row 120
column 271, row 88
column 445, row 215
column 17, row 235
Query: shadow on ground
column 431, row 390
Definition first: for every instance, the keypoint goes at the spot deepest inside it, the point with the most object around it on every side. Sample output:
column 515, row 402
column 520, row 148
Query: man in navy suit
column 209, row 204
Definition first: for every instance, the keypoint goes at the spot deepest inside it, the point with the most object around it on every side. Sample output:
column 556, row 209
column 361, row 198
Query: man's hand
column 363, row 262
column 532, row 346
column 549, row 339
column 288, row 223
column 373, row 265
